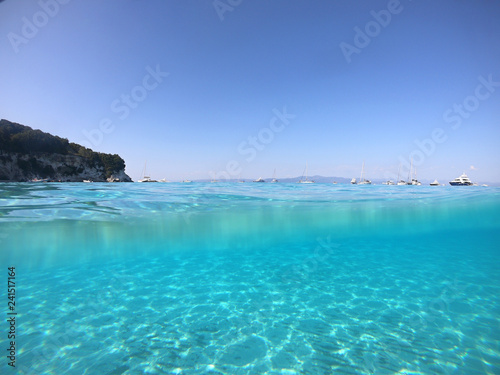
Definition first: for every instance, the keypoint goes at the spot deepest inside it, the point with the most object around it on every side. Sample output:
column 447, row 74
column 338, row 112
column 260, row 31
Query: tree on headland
column 21, row 139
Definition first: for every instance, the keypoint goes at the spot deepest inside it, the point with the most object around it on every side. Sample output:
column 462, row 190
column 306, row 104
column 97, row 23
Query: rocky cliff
column 26, row 154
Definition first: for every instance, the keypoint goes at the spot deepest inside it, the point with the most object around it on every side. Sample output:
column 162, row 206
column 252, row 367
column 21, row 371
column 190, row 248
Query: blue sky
column 184, row 84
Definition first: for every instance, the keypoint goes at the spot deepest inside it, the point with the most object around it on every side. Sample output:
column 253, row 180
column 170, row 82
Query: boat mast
column 144, row 170
column 409, row 172
column 362, row 171
column 399, row 170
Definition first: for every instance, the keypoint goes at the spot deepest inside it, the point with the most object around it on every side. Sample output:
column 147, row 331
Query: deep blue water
column 252, row 278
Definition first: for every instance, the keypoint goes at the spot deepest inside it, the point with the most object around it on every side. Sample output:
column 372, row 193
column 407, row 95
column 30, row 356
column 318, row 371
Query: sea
column 249, row 278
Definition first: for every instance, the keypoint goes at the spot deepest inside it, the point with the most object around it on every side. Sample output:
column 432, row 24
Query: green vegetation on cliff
column 21, row 139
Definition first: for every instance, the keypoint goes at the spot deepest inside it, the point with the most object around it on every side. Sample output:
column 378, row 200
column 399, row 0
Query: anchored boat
column 304, row 179
column 463, row 180
column 362, row 180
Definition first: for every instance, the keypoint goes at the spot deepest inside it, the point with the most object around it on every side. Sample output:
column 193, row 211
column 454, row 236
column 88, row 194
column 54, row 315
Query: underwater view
column 228, row 278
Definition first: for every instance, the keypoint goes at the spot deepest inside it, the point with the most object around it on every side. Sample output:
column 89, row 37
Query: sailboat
column 274, row 180
column 362, row 180
column 435, row 183
column 260, row 179
column 400, row 182
column 412, row 180
column 390, row 182
column 305, row 180
column 145, row 178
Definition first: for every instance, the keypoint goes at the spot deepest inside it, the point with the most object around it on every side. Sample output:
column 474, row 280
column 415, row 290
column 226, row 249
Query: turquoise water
column 252, row 278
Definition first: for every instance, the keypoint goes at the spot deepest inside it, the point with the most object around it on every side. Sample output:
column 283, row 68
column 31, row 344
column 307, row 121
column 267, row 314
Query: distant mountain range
column 319, row 179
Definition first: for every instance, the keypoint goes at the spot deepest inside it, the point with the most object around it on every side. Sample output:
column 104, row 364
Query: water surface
column 253, row 278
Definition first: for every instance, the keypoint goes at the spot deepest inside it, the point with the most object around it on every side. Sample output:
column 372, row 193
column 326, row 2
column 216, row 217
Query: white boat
column 353, row 181
column 40, row 180
column 390, row 182
column 304, row 179
column 400, row 182
column 274, row 180
column 412, row 180
column 260, row 179
column 145, row 178
column 187, row 181
column 88, row 181
column 435, row 183
column 163, row 180
column 362, row 180
column 463, row 180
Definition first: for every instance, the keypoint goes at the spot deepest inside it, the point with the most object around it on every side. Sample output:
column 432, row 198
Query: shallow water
column 253, row 278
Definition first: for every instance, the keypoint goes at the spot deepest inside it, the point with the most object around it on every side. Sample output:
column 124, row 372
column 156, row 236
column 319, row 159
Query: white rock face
column 119, row 176
column 69, row 168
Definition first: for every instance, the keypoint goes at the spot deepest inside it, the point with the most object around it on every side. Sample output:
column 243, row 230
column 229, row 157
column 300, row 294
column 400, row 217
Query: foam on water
column 254, row 278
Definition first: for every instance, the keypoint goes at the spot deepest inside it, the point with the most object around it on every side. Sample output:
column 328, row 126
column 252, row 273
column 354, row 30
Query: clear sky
column 247, row 86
